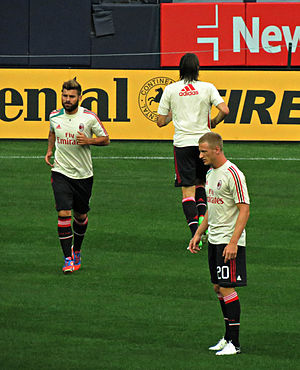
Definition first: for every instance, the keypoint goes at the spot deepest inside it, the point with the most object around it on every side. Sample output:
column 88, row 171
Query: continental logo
column 150, row 95
column 26, row 104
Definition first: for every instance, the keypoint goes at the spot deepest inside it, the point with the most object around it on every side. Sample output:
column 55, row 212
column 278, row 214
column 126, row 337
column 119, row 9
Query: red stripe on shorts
column 176, row 168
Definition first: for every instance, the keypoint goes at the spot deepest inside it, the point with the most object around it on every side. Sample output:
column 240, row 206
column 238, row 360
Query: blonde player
column 226, row 218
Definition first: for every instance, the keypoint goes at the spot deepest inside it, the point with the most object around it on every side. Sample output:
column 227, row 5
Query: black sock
column 201, row 200
column 191, row 213
column 223, row 308
column 233, row 310
column 65, row 235
column 79, row 228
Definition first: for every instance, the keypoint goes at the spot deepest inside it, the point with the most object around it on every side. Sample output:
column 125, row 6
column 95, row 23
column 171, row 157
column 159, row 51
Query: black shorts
column 71, row 193
column 189, row 168
column 230, row 274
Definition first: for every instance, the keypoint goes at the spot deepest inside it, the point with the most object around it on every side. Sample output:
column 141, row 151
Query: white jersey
column 71, row 159
column 190, row 104
column 225, row 187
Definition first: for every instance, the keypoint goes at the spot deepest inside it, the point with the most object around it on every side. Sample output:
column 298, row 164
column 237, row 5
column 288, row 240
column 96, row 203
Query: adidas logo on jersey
column 239, row 278
column 58, row 127
column 188, row 91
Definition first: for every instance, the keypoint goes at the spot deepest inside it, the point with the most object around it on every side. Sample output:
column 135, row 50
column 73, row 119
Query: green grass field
column 141, row 301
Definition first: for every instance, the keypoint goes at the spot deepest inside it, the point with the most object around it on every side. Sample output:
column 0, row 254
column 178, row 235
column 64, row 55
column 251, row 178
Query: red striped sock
column 79, row 229
column 233, row 310
column 191, row 213
column 201, row 201
column 65, row 235
column 223, row 308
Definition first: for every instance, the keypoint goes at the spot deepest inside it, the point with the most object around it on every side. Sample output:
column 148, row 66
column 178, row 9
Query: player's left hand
column 48, row 157
column 194, row 244
column 230, row 252
column 82, row 139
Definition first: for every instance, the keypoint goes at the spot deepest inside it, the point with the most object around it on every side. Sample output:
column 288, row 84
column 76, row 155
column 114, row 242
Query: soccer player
column 226, row 218
column 188, row 103
column 71, row 131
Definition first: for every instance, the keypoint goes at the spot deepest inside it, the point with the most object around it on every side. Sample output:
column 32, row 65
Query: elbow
column 247, row 213
column 161, row 121
column 226, row 111
column 106, row 141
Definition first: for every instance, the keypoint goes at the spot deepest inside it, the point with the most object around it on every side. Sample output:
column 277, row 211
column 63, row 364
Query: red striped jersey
column 190, row 103
column 225, row 187
column 71, row 159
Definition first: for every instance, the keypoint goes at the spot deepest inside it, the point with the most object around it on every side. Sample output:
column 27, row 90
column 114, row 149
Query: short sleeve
column 238, row 186
column 164, row 104
column 97, row 127
column 216, row 98
column 51, row 126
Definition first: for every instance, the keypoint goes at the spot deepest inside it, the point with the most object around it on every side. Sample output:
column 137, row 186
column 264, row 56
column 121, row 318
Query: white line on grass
column 153, row 158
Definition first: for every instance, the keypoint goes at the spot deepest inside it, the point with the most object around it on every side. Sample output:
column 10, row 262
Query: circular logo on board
column 150, row 95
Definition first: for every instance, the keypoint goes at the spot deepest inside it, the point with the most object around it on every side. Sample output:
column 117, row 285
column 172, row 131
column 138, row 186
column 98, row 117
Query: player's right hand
column 47, row 159
column 194, row 244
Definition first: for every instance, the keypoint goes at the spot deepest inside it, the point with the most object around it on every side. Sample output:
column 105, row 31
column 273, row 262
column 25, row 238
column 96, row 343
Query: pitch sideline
column 153, row 158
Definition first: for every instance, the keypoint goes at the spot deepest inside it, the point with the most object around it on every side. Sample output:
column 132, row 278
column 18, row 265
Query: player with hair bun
column 188, row 103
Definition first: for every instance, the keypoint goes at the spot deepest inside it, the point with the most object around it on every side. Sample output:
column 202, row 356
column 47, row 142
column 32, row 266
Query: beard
column 71, row 108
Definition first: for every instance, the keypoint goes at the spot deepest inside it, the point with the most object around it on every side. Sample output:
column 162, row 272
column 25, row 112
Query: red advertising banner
column 231, row 34
column 269, row 30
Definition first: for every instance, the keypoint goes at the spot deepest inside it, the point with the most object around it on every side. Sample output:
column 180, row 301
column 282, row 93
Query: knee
column 188, row 191
column 64, row 213
column 226, row 291
column 80, row 217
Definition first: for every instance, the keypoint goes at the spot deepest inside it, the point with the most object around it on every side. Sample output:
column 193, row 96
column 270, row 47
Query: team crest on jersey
column 219, row 184
column 81, row 127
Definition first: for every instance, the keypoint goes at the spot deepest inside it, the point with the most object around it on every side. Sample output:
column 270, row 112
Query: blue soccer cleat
column 77, row 261
column 68, row 267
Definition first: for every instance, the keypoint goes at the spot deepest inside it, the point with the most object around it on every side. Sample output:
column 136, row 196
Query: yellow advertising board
column 264, row 105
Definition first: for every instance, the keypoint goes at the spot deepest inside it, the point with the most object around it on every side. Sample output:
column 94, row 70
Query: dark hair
column 72, row 85
column 189, row 67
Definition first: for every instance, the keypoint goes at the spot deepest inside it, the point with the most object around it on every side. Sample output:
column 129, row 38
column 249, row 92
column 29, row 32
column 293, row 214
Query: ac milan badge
column 219, row 184
column 81, row 127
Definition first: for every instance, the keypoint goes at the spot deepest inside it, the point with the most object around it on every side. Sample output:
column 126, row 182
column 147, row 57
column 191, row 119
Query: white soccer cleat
column 219, row 346
column 229, row 349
